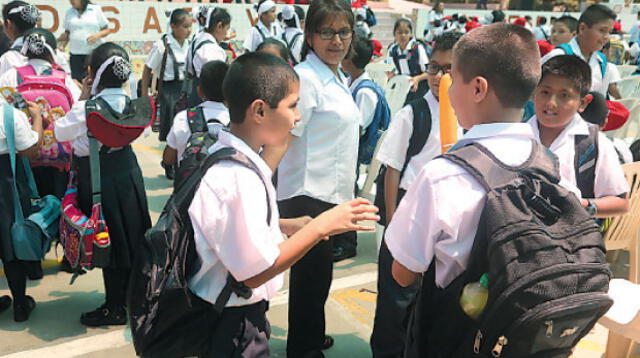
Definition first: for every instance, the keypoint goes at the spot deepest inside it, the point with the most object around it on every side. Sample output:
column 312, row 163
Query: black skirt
column 170, row 94
column 124, row 202
column 7, row 216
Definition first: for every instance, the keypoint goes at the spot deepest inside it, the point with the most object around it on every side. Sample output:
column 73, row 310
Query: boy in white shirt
column 212, row 111
column 559, row 98
column 229, row 209
column 494, row 70
column 402, row 167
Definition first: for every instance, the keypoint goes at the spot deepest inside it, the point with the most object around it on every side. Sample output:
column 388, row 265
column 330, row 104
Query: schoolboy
column 563, row 30
column 230, row 208
column 559, row 98
column 369, row 98
column 594, row 27
column 494, row 70
column 212, row 110
column 389, row 328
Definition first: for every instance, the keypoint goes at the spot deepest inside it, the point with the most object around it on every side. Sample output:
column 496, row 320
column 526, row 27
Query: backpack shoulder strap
column 195, row 118
column 566, row 48
column 586, row 157
column 421, row 129
column 260, row 32
column 24, row 71
column 603, row 63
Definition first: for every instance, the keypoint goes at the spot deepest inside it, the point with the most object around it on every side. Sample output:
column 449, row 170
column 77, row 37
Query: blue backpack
column 380, row 123
column 569, row 51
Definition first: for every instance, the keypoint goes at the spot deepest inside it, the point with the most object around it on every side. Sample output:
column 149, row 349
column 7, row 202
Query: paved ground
column 54, row 329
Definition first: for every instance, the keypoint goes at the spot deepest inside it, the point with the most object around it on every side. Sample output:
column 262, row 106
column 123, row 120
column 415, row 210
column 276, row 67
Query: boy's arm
column 291, row 226
column 614, row 91
column 403, row 276
column 391, row 185
column 609, row 206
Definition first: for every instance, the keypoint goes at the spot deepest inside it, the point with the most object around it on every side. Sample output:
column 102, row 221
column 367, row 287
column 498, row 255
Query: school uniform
column 598, row 82
column 229, row 215
column 366, row 100
column 294, row 42
column 179, row 135
column 49, row 180
column 410, row 61
column 172, row 78
column 541, row 33
column 80, row 27
column 609, row 177
column 124, row 201
column 258, row 33
column 317, row 172
column 13, row 58
column 203, row 49
column 25, row 138
column 393, row 301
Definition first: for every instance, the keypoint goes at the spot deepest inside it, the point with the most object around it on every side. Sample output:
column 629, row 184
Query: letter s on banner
column 113, row 20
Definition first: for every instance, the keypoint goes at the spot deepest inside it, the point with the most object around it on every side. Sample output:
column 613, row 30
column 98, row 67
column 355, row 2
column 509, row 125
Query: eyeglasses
column 434, row 69
column 329, row 34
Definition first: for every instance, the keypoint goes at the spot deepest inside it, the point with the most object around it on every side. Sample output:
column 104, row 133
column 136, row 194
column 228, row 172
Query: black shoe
column 327, row 343
column 104, row 316
column 340, row 253
column 5, row 303
column 22, row 311
column 169, row 170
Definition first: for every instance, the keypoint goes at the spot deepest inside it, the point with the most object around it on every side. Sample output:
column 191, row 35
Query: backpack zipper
column 588, row 228
column 497, row 349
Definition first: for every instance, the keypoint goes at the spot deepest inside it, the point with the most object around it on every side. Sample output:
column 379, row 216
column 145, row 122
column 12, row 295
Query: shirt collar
column 409, row 46
column 577, row 126
column 112, row 92
column 480, row 131
column 39, row 62
column 354, row 84
column 264, row 28
column 576, row 50
column 203, row 36
column 213, row 105
column 18, row 42
column 227, row 138
column 323, row 71
column 430, row 96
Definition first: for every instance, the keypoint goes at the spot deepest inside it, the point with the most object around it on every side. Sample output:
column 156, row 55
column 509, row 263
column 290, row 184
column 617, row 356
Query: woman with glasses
column 318, row 170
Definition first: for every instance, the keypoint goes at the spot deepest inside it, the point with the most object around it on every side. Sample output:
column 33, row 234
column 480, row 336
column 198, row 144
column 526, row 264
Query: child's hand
column 415, row 82
column 87, row 82
column 346, row 217
column 34, row 110
column 93, row 38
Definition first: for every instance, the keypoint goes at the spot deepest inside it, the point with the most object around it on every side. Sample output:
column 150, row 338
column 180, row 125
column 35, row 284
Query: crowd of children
column 299, row 106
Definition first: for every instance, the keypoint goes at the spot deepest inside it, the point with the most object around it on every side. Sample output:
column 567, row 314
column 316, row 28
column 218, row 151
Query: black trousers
column 16, row 274
column 115, row 286
column 393, row 305
column 309, row 283
column 78, row 66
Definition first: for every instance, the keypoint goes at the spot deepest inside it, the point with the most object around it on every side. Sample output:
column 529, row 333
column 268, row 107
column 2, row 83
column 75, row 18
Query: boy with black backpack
column 413, row 139
column 587, row 157
column 492, row 207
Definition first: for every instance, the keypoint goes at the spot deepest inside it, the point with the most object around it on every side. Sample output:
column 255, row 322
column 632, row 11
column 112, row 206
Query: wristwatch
column 592, row 209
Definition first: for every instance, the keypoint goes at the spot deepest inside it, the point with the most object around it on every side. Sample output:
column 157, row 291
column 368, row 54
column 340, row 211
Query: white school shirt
column 81, row 26
column 180, row 132
column 423, row 59
column 609, row 178
column 25, row 137
column 440, row 213
column 634, row 33
column 254, row 36
column 393, row 149
column 207, row 52
column 541, row 33
column 229, row 217
column 13, row 58
column 321, row 161
column 433, row 33
column 598, row 83
column 154, row 61
column 366, row 100
column 73, row 126
column 10, row 77
column 296, row 47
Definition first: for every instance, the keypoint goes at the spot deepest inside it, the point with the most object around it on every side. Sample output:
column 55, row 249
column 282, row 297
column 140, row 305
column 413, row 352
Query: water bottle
column 474, row 297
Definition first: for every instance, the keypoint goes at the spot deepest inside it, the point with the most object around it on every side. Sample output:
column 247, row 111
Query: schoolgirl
column 18, row 17
column 206, row 47
column 409, row 57
column 293, row 36
column 123, row 195
column 267, row 25
column 172, row 63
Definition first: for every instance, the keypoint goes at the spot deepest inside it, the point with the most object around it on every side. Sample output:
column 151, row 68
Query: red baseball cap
column 377, row 48
column 521, row 21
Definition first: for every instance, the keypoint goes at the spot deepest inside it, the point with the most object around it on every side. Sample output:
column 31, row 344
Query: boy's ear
column 480, row 89
column 256, row 110
column 583, row 26
column 585, row 102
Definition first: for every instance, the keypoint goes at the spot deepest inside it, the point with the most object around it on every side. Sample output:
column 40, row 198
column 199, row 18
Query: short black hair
column 361, row 52
column 498, row 16
column 595, row 14
column 176, row 16
column 446, row 41
column 506, row 55
column 318, row 12
column 572, row 68
column 17, row 20
column 210, row 81
column 542, row 21
column 403, row 20
column 101, row 54
column 256, row 75
column 569, row 21
column 597, row 111
column 218, row 14
column 272, row 42
column 50, row 40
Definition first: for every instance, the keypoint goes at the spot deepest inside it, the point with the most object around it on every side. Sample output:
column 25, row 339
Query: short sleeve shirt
column 81, row 26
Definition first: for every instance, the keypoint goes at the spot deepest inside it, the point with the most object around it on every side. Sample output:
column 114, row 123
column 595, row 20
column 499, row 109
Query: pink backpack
column 55, row 100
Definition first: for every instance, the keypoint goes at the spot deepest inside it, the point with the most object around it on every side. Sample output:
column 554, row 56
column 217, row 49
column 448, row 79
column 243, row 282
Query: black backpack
column 548, row 278
column 197, row 148
column 167, row 319
column 419, row 136
column 585, row 161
